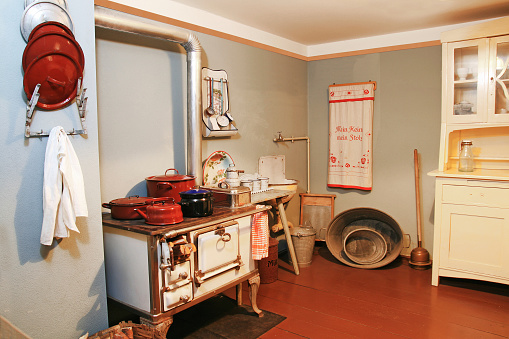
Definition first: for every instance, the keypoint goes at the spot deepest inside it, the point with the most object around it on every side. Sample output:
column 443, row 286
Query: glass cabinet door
column 467, row 76
column 498, row 104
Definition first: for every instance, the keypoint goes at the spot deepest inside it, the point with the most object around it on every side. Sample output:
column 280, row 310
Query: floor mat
column 220, row 317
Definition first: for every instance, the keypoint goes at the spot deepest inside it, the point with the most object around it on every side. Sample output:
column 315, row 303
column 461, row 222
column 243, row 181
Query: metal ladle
column 210, row 109
column 222, row 120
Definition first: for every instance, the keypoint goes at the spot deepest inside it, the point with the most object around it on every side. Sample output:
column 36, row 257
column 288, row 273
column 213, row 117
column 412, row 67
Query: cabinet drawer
column 488, row 196
column 178, row 296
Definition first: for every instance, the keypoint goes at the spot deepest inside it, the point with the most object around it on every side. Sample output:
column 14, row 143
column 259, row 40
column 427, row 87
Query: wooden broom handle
column 417, row 197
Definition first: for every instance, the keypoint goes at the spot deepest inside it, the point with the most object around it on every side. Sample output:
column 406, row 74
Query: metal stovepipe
column 118, row 21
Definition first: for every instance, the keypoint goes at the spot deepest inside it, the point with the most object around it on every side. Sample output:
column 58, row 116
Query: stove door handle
column 224, row 236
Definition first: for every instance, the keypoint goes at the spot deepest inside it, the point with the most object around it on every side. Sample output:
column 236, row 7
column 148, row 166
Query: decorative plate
column 214, row 169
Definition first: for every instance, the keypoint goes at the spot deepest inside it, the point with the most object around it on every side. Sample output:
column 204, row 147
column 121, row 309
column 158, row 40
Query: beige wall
column 141, row 86
column 142, row 117
column 406, row 117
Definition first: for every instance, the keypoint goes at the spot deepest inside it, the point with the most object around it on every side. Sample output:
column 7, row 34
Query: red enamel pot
column 169, row 185
column 125, row 208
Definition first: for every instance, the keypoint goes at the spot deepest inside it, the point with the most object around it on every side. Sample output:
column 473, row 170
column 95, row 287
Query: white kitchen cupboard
column 471, row 229
column 479, row 94
column 471, row 235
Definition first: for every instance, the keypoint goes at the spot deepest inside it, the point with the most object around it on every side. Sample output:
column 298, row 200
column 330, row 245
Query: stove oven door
column 217, row 251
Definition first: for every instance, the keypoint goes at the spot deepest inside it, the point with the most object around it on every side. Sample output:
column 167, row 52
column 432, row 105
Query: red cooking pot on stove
column 125, row 208
column 162, row 213
column 169, row 185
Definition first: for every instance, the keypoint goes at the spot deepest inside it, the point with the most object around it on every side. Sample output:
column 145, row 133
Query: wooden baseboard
column 8, row 330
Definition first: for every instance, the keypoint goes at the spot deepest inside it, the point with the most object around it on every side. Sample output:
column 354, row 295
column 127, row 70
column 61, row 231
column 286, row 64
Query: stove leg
column 162, row 327
column 254, row 285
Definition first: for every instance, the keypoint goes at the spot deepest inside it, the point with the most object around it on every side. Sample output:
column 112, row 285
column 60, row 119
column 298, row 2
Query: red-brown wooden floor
column 332, row 300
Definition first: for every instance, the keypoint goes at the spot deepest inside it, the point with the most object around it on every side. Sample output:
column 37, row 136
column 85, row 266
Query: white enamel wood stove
column 157, row 271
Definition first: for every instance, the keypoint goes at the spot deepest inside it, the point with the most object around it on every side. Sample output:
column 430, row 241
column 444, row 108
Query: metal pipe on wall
column 118, row 21
column 292, row 139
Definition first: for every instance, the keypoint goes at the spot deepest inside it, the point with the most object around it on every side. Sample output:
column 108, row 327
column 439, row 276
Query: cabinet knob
column 184, row 298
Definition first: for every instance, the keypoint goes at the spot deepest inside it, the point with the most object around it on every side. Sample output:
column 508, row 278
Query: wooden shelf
column 480, row 174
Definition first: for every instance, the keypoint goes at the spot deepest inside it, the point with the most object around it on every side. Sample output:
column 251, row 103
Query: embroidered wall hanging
column 351, row 135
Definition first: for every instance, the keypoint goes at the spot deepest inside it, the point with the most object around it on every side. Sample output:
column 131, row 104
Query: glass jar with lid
column 466, row 157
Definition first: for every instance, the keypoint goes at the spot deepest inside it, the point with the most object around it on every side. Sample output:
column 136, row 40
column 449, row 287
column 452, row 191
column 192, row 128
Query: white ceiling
column 307, row 29
column 324, row 21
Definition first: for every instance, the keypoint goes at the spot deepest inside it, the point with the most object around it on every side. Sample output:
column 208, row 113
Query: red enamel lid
column 52, row 42
column 58, row 74
column 170, row 177
column 50, row 27
column 131, row 201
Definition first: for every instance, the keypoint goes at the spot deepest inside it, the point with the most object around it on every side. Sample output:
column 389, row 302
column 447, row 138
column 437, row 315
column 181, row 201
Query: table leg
column 288, row 236
column 239, row 294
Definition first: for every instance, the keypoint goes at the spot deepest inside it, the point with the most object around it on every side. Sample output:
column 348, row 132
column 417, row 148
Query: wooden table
column 280, row 197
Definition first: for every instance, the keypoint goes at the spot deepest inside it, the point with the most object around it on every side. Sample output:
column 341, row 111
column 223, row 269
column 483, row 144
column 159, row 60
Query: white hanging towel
column 351, row 136
column 63, row 188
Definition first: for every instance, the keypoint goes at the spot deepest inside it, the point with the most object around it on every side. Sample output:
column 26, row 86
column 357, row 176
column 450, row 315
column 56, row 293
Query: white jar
column 231, row 172
column 233, row 182
column 256, row 185
column 264, row 183
column 247, row 183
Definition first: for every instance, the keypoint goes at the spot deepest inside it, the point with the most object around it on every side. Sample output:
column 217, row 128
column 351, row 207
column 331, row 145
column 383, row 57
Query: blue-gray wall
column 406, row 117
column 57, row 291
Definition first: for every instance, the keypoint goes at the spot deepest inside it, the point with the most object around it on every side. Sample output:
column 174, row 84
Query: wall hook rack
column 81, row 103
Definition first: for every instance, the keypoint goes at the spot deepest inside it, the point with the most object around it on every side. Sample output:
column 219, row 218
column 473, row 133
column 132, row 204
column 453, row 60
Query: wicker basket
column 128, row 330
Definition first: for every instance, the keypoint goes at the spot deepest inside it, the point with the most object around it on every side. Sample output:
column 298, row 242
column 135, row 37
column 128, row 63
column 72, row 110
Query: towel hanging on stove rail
column 351, row 135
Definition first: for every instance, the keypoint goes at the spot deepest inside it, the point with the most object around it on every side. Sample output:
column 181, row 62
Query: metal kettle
column 162, row 213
